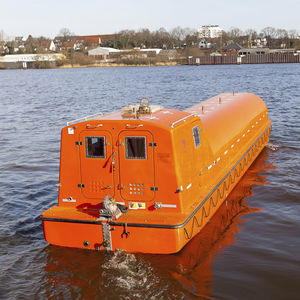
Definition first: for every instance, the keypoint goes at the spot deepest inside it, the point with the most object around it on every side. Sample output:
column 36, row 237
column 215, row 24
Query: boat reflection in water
column 192, row 267
column 119, row 275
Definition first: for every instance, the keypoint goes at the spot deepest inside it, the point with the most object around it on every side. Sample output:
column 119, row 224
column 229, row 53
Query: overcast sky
column 83, row 17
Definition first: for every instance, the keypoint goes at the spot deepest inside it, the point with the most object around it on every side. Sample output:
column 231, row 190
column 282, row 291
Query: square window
column 95, row 146
column 135, row 147
column 196, row 136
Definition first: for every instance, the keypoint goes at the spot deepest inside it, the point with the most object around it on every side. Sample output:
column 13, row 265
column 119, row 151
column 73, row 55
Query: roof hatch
column 143, row 108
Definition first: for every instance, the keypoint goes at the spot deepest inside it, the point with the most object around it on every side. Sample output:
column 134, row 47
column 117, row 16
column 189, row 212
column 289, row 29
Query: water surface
column 250, row 250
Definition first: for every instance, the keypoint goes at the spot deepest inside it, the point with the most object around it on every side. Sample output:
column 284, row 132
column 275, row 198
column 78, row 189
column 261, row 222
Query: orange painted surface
column 188, row 179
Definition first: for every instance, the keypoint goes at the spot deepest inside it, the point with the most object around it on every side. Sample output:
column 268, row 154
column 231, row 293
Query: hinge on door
column 78, row 143
column 152, row 144
column 154, row 188
column 121, row 187
column 81, row 185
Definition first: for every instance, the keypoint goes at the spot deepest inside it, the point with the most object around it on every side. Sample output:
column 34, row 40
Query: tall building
column 210, row 31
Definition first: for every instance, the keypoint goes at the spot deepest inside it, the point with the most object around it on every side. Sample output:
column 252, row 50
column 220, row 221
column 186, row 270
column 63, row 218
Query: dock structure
column 270, row 58
column 26, row 60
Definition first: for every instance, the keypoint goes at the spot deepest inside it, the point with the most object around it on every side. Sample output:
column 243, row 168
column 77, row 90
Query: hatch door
column 136, row 159
column 96, row 164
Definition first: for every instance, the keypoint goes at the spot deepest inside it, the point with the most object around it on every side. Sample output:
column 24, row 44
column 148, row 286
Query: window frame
column 126, row 148
column 196, row 128
column 86, row 147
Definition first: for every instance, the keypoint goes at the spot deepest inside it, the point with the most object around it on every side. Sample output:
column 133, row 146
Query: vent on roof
column 143, row 108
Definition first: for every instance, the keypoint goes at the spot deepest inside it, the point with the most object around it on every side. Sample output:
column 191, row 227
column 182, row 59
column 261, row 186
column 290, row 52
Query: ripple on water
column 134, row 278
column 260, row 256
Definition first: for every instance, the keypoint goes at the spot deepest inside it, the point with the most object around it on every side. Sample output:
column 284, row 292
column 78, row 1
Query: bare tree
column 143, row 38
column 178, row 34
column 281, row 33
column 189, row 31
column 269, row 32
column 162, row 39
column 252, row 33
column 66, row 34
column 192, row 39
column 294, row 41
column 235, row 33
column 126, row 38
column 293, row 34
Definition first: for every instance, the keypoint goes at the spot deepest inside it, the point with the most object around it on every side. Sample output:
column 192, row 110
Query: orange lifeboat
column 148, row 179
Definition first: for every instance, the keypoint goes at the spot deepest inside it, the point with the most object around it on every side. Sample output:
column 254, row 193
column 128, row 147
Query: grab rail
column 84, row 118
column 134, row 126
column 180, row 120
column 93, row 126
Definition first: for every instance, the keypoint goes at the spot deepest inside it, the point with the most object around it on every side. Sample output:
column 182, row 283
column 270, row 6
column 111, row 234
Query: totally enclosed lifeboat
column 147, row 179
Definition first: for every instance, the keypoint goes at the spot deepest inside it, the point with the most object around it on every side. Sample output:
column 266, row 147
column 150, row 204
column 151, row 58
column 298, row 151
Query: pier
column 271, row 58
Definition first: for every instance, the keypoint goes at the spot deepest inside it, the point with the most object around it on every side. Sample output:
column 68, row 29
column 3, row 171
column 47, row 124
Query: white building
column 210, row 31
column 48, row 45
column 31, row 57
column 102, row 53
column 204, row 44
column 17, row 60
column 156, row 50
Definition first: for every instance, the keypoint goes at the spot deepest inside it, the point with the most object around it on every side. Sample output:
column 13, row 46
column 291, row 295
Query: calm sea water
column 251, row 248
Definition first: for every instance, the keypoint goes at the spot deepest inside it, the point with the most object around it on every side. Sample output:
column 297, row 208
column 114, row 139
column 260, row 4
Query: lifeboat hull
column 69, row 227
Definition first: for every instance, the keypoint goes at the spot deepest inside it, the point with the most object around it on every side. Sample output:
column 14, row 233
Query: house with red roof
column 48, row 45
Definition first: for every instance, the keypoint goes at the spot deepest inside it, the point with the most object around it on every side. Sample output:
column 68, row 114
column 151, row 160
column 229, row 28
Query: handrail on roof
column 182, row 119
column 84, row 118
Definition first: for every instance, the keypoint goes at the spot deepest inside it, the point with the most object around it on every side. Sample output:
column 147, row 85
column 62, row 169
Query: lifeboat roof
column 161, row 117
column 225, row 115
column 222, row 116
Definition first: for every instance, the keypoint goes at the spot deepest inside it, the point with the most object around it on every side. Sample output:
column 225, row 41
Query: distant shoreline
column 105, row 65
column 120, row 65
column 98, row 65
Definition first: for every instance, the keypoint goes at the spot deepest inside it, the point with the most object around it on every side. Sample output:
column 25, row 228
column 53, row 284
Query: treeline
column 187, row 37
column 144, row 38
column 31, row 45
column 275, row 37
column 177, row 38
